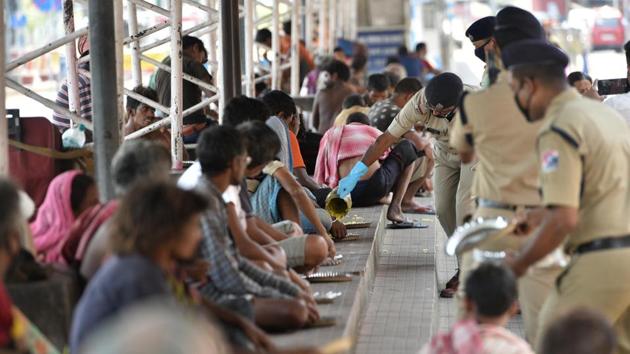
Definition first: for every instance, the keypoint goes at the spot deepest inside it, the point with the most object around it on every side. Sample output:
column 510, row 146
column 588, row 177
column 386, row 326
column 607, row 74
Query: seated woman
column 342, row 147
column 68, row 195
column 155, row 230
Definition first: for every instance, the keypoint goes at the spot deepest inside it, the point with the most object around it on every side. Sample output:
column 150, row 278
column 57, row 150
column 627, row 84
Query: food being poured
column 336, row 206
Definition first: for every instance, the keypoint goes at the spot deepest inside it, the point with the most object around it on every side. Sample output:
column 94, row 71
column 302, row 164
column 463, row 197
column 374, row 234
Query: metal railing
column 296, row 10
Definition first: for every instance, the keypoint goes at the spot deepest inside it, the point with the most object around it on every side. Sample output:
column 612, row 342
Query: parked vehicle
column 608, row 29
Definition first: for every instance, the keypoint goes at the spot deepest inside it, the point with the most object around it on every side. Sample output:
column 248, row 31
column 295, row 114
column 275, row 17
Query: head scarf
column 54, row 218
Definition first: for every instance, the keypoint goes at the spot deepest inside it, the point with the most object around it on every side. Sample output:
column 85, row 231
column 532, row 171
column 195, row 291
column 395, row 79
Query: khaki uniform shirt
column 504, row 143
column 584, row 156
column 415, row 113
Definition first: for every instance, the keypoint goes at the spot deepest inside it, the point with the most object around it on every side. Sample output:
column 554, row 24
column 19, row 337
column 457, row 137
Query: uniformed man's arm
column 561, row 177
column 402, row 123
column 461, row 136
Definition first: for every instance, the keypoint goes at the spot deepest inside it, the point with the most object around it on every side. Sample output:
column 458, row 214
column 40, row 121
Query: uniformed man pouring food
column 583, row 152
column 431, row 110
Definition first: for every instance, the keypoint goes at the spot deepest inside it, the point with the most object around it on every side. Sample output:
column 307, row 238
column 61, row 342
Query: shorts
column 294, row 249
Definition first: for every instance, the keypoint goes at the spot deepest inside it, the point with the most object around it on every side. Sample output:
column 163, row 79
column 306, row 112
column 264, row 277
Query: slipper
column 350, row 237
column 322, row 322
column 407, row 225
column 424, row 211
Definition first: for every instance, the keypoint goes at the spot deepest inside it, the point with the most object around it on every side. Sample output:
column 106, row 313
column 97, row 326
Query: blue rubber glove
column 347, row 184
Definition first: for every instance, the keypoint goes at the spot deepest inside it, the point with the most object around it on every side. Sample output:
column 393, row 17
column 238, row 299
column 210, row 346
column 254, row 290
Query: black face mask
column 481, row 54
column 524, row 110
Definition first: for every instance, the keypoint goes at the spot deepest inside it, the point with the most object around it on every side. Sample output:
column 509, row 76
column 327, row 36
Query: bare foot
column 394, row 214
column 386, row 200
column 413, row 207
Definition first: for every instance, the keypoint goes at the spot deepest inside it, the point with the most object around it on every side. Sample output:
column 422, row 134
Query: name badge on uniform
column 550, row 160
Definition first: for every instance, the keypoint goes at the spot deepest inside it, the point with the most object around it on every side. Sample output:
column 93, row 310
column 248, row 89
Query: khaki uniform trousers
column 600, row 281
column 452, row 186
column 533, row 288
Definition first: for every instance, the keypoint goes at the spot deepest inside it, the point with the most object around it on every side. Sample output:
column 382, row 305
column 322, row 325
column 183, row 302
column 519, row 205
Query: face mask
column 481, row 54
column 524, row 109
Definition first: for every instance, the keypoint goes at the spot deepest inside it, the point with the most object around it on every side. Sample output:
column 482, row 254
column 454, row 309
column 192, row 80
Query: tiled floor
column 399, row 314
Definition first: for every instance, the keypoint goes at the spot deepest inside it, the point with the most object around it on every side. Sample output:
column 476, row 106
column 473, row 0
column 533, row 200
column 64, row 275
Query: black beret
column 533, row 51
column 514, row 23
column 444, row 89
column 481, row 29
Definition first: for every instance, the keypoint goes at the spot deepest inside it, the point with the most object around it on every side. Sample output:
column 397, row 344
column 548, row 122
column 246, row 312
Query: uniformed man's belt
column 602, row 244
column 487, row 203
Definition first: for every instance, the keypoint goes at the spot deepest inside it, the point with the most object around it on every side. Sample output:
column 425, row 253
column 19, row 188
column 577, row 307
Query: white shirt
column 621, row 104
column 188, row 180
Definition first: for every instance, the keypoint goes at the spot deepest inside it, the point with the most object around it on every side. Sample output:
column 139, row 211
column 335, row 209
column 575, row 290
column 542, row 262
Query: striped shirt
column 85, row 98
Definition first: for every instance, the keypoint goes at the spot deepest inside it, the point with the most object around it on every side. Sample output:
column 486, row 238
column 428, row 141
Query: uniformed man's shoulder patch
column 550, row 160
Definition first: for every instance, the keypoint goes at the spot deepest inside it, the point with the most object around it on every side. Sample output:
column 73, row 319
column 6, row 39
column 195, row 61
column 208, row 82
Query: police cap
column 481, row 29
column 514, row 24
column 533, row 51
column 444, row 89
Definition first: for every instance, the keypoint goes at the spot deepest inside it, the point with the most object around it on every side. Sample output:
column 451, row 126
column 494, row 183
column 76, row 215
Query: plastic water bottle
column 74, row 138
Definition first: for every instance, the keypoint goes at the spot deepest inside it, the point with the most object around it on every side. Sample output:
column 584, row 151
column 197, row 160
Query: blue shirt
column 412, row 65
column 122, row 281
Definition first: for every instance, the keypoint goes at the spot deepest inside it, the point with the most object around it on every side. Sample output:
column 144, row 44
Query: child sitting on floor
column 490, row 303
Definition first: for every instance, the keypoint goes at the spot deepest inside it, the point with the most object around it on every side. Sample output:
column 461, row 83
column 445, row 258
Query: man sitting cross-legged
column 342, row 147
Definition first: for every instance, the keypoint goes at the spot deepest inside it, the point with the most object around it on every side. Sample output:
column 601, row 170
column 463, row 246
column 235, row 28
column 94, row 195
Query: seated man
column 263, row 145
column 351, row 104
column 342, row 147
column 490, row 303
column 140, row 115
column 383, row 113
column 279, row 303
column 378, row 89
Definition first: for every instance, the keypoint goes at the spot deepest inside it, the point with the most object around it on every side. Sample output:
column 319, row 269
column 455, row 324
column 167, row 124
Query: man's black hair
column 492, row 289
column 339, row 68
column 261, row 142
column 358, row 117
column 353, row 100
column 392, row 60
column 420, row 46
column 338, row 49
column 403, row 51
column 190, row 41
column 242, row 109
column 358, row 62
column 147, row 92
column 279, row 102
column 392, row 78
column 263, row 35
column 578, row 76
column 217, row 147
column 286, row 27
column 408, row 85
column 378, row 82
column 580, row 331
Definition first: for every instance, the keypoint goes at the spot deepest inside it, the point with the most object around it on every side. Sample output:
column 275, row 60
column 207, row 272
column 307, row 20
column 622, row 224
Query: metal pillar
column 4, row 131
column 309, row 24
column 275, row 46
column 230, row 50
column 72, row 77
column 295, row 48
column 103, row 60
column 323, row 26
column 250, row 8
column 212, row 37
column 332, row 23
column 177, row 144
column 119, row 38
column 136, row 68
